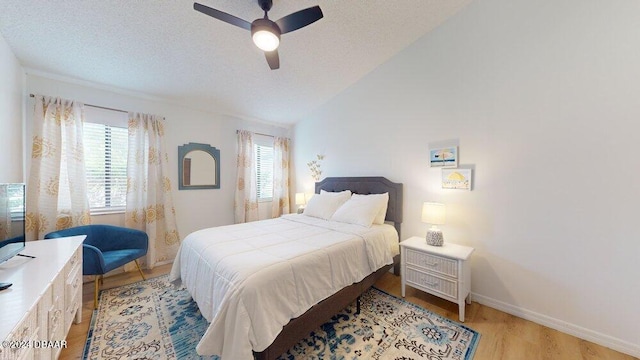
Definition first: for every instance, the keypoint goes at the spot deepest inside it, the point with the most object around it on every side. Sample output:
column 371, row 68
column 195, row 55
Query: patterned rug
column 153, row 320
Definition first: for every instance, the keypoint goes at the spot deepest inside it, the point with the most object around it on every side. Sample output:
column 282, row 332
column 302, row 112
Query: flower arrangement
column 314, row 167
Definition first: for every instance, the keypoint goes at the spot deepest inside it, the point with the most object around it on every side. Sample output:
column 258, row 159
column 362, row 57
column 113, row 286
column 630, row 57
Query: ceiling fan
column 265, row 32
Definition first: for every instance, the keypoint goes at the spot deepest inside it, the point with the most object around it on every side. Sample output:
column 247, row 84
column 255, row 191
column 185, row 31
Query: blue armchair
column 106, row 248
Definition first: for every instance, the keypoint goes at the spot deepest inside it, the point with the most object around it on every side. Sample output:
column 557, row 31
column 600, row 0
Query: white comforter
column 250, row 279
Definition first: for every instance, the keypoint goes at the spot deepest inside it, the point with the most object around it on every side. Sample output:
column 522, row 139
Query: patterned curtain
column 280, row 203
column 57, row 166
column 246, row 199
column 149, row 201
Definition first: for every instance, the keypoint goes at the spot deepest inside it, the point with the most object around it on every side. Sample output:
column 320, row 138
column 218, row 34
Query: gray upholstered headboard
column 369, row 185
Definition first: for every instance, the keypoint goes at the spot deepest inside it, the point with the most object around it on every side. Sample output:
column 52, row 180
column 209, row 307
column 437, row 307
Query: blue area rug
column 153, row 320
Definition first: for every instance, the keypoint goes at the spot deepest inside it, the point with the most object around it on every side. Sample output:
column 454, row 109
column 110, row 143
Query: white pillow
column 362, row 209
column 346, row 193
column 382, row 213
column 323, row 205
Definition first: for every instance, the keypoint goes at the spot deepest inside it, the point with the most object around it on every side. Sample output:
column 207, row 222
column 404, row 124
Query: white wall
column 195, row 209
column 542, row 97
column 11, row 87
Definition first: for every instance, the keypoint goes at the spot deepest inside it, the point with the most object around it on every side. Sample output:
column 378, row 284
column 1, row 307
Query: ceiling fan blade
column 299, row 19
column 273, row 59
column 223, row 16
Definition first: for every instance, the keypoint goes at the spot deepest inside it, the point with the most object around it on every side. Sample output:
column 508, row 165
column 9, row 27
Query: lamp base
column 434, row 238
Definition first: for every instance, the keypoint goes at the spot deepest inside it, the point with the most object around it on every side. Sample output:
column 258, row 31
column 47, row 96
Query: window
column 105, row 151
column 15, row 194
column 263, row 149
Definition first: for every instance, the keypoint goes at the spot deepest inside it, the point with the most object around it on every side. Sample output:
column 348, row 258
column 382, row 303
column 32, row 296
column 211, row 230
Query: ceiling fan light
column 265, row 34
column 266, row 40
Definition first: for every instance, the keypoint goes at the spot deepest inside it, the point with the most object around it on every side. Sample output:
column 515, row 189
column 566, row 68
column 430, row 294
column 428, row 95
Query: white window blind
column 264, row 170
column 105, row 149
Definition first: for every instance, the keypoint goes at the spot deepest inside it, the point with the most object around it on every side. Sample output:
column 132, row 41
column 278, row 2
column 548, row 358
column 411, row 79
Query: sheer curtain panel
column 280, row 203
column 246, row 198
column 149, row 201
column 57, row 167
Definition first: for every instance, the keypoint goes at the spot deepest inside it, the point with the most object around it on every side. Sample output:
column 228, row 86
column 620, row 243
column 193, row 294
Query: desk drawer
column 73, row 295
column 432, row 283
column 18, row 342
column 76, row 260
column 434, row 263
column 73, row 285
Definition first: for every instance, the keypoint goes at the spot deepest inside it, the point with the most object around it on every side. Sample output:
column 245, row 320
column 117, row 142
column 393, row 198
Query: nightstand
column 442, row 271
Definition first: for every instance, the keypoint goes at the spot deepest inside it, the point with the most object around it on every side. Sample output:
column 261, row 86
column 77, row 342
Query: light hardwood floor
column 503, row 336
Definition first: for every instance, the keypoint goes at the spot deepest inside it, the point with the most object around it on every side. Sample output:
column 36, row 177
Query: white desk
column 45, row 297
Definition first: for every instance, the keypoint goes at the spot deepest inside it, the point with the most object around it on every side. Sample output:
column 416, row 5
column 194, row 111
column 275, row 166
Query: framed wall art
column 456, row 179
column 446, row 157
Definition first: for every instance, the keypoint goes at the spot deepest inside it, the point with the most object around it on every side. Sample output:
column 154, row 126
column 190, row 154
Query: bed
column 265, row 285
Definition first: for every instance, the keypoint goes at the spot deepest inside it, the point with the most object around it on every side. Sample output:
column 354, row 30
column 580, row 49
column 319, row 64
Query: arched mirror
column 198, row 167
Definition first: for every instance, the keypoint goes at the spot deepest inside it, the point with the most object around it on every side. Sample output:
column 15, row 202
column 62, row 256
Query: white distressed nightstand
column 442, row 271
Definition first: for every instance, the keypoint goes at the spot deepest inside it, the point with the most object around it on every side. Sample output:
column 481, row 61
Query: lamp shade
column 300, row 199
column 265, row 34
column 433, row 213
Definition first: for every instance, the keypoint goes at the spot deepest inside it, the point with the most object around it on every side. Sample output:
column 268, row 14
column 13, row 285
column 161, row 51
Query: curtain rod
column 257, row 133
column 97, row 106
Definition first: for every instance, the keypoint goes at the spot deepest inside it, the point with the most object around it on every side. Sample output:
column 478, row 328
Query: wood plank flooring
column 503, row 336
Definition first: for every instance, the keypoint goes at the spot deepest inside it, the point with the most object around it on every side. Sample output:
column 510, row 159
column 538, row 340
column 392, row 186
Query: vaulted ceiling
column 166, row 49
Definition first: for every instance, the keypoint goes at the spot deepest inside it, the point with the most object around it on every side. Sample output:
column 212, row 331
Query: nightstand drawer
column 432, row 283
column 434, row 263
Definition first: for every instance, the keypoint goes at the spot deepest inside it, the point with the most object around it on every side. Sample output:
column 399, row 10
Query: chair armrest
column 92, row 260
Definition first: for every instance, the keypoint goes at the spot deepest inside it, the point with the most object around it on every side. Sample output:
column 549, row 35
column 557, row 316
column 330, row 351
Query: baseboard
column 565, row 327
column 164, row 262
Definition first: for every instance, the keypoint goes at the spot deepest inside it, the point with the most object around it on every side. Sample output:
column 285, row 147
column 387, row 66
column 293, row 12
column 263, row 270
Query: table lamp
column 434, row 214
column 301, row 201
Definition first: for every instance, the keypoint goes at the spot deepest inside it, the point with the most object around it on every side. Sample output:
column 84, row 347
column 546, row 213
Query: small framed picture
column 444, row 157
column 456, row 179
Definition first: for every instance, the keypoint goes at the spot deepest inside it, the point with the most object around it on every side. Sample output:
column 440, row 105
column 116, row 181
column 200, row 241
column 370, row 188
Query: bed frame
column 301, row 326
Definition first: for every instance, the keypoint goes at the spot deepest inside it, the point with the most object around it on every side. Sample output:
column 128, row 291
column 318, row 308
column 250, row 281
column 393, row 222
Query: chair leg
column 95, row 293
column 141, row 273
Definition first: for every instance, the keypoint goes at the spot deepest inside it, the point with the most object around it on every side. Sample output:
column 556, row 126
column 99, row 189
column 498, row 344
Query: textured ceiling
column 166, row 49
